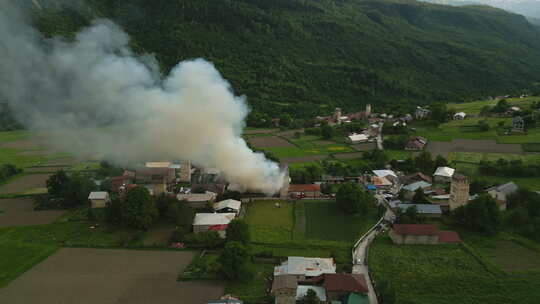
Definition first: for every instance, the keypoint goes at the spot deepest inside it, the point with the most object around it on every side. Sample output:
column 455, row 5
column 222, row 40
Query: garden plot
column 348, row 155
column 468, row 145
column 364, row 147
column 511, row 256
column 259, row 131
column 20, row 212
column 25, row 183
column 77, row 275
column 303, row 159
column 261, row 142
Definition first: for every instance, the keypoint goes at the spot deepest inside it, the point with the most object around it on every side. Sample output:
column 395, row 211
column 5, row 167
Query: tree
column 77, row 190
column 420, row 197
column 483, row 125
column 57, row 183
column 424, row 162
column 351, row 198
column 440, row 161
column 327, row 132
column 310, row 298
column 139, row 209
column 285, row 120
column 233, row 260
column 480, row 215
column 238, row 231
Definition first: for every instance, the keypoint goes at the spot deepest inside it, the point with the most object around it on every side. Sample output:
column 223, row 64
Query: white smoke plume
column 96, row 97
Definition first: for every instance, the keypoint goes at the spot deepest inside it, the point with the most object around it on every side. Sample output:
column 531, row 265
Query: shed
column 228, row 206
column 444, row 174
column 357, row 138
column 460, row 116
column 205, row 221
column 98, row 199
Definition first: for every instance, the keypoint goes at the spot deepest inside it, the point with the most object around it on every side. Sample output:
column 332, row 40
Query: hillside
column 529, row 8
column 304, row 57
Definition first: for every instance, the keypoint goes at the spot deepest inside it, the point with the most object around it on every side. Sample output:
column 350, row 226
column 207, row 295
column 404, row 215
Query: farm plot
column 262, row 142
column 303, row 159
column 20, row 212
column 74, row 275
column 259, row 131
column 348, row 155
column 25, row 183
column 471, row 157
column 422, row 273
column 365, row 146
column 466, row 145
column 270, row 221
column 511, row 256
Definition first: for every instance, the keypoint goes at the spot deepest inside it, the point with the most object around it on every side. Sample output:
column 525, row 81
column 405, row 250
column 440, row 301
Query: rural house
column 197, row 200
column 421, row 113
column 500, row 193
column 304, row 268
column 355, row 138
column 157, row 175
column 212, row 222
column 416, row 143
column 443, row 174
column 228, row 206
column 284, row 289
column 416, row 177
column 427, row 210
column 421, row 234
column 518, row 124
column 339, row 285
column 98, row 199
column 309, row 190
column 410, row 189
column 460, row 116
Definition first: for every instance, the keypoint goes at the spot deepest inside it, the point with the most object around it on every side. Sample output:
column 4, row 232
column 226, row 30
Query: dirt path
column 25, row 183
column 20, row 212
column 81, row 275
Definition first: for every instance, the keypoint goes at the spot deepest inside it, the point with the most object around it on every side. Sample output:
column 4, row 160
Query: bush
column 207, row 239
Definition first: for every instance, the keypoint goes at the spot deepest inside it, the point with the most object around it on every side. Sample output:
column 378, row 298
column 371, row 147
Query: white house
column 384, row 173
column 357, row 138
column 460, row 116
column 228, row 206
column 305, row 267
column 444, row 174
column 197, row 200
column 98, row 199
column 212, row 221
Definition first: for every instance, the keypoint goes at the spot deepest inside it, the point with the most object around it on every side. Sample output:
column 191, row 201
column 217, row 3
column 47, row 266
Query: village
column 345, row 206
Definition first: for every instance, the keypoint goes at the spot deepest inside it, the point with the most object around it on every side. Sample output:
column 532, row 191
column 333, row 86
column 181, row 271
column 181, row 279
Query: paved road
column 379, row 137
column 361, row 251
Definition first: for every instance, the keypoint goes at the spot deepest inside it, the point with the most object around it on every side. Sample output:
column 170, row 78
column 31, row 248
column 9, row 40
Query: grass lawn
column 531, row 147
column 446, row 274
column 398, row 154
column 324, row 220
column 268, row 223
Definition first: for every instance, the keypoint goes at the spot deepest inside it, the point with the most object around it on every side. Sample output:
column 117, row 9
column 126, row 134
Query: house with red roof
column 421, row 234
column 339, row 285
column 308, row 190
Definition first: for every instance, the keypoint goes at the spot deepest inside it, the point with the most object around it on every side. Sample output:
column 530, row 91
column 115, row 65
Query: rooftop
column 444, row 171
column 213, row 218
column 422, row 208
column 98, row 195
column 414, row 229
column 304, row 187
column 383, row 173
column 230, row 203
column 507, row 188
column 417, row 185
column 449, row 237
column 344, row 282
column 310, row 267
column 284, row 282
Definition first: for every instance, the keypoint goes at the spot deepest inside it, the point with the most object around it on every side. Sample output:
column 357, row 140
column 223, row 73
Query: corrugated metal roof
column 415, row 186
column 98, row 195
column 422, row 208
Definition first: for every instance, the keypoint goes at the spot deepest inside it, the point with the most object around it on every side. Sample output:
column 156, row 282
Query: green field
column 18, row 257
column 13, row 135
column 324, row 220
column 307, row 151
column 447, row 274
column 268, row 223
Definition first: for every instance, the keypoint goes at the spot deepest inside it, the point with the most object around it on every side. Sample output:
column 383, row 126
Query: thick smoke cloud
column 95, row 97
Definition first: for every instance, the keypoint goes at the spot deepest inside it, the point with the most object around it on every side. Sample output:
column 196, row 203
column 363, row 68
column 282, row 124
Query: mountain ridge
column 305, row 57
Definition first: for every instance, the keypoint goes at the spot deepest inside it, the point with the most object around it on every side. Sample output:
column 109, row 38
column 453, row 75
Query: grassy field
column 18, row 257
column 423, row 273
column 6, row 136
column 471, row 170
column 307, row 151
column 268, row 223
column 324, row 220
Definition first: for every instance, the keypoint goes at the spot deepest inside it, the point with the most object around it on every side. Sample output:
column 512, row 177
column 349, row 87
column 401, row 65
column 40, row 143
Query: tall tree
column 480, row 215
column 353, row 199
column 233, row 260
column 238, row 231
column 139, row 209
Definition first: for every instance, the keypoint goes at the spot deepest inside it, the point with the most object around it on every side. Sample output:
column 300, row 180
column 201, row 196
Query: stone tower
column 459, row 191
column 368, row 110
column 337, row 115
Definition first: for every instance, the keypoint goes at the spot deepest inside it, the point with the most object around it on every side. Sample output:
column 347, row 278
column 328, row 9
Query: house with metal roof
column 427, row 210
column 443, row 174
column 212, row 222
column 421, row 234
column 197, row 200
column 384, row 173
column 303, row 268
column 98, row 199
column 228, row 206
column 357, row 138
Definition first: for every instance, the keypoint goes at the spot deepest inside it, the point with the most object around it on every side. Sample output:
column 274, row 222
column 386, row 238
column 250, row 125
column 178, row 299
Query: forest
column 306, row 57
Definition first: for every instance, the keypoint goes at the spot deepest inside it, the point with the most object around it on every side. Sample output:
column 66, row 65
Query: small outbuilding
column 212, row 221
column 460, row 116
column 500, row 193
column 228, row 206
column 357, row 138
column 98, row 199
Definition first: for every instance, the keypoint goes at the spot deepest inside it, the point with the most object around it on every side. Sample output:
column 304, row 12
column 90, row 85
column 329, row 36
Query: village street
column 360, row 254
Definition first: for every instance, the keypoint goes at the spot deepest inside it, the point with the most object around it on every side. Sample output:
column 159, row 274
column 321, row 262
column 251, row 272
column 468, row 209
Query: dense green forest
column 306, row 56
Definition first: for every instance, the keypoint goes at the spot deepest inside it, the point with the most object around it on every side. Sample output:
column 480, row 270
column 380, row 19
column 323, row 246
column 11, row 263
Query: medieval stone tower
column 459, row 191
column 368, row 110
column 337, row 116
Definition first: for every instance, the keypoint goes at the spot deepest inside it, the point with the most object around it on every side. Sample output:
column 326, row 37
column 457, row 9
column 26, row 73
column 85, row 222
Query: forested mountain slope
column 306, row 56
